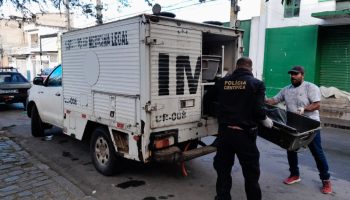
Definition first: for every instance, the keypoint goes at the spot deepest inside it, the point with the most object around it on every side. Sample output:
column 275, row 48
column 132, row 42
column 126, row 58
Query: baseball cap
column 296, row 69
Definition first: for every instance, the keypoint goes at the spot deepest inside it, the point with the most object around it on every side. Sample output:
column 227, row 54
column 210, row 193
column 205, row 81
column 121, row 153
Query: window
column 55, row 79
column 17, row 78
column 291, row 8
column 5, row 78
column 12, row 78
column 34, row 40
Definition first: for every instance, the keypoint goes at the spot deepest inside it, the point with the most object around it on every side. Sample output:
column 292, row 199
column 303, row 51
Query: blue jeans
column 318, row 154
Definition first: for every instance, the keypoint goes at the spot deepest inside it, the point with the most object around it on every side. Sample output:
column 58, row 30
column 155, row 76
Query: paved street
column 69, row 160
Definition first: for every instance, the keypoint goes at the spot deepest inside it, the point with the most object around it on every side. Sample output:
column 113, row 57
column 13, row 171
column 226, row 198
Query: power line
column 165, row 8
column 190, row 5
column 144, row 11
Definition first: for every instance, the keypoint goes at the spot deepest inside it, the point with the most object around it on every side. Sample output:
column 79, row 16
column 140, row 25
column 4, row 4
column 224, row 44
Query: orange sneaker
column 327, row 187
column 291, row 180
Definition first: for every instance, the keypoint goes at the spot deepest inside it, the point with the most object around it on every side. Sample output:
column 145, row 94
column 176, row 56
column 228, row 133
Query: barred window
column 291, row 8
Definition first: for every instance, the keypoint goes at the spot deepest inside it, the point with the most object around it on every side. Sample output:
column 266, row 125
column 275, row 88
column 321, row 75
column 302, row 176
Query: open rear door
column 175, row 75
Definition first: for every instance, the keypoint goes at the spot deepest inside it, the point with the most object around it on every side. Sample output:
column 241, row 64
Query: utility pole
column 99, row 15
column 66, row 3
column 1, row 54
column 233, row 13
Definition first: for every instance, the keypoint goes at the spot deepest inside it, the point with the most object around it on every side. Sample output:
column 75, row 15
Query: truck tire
column 37, row 127
column 103, row 154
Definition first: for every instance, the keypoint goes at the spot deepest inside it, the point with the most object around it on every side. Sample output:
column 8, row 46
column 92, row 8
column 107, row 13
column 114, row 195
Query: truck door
column 175, row 75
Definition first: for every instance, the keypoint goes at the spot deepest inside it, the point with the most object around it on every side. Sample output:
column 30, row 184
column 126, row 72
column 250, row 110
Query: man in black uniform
column 241, row 101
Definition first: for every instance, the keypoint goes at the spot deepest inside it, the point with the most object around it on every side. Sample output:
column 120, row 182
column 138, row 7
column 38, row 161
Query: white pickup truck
column 135, row 88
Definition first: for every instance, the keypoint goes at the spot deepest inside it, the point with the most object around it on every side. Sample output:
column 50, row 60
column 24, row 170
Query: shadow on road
column 8, row 107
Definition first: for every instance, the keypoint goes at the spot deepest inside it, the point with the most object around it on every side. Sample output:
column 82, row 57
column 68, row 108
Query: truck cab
column 45, row 102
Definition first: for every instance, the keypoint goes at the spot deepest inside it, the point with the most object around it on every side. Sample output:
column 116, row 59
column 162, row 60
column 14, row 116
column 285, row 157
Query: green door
column 334, row 57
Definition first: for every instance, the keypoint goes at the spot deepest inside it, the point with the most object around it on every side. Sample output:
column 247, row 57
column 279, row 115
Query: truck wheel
column 36, row 123
column 103, row 154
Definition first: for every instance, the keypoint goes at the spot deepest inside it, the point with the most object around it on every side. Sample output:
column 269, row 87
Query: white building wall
column 15, row 42
column 272, row 16
column 11, row 35
column 48, row 44
column 275, row 12
column 54, row 19
column 256, row 46
column 35, row 61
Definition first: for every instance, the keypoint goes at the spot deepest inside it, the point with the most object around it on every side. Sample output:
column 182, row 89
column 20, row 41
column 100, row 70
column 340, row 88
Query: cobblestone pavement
column 24, row 177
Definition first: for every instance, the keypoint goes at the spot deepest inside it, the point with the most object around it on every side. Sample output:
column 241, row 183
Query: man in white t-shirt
column 304, row 98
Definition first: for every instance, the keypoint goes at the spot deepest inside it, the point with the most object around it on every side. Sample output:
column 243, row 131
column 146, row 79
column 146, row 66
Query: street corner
column 24, row 177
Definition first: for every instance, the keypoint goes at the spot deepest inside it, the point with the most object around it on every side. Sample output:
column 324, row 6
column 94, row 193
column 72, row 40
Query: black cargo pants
column 231, row 142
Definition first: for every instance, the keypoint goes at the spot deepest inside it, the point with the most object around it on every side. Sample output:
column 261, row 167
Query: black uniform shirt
column 241, row 99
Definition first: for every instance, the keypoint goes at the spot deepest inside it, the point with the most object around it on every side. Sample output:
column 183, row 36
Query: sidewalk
column 24, row 177
column 335, row 113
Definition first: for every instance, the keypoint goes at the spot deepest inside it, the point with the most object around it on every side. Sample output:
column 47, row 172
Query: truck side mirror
column 38, row 81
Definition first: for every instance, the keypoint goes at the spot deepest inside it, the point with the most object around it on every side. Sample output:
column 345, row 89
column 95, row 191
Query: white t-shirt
column 301, row 96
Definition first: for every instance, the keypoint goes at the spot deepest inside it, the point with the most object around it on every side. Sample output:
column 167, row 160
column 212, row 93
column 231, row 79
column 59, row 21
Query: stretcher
column 290, row 131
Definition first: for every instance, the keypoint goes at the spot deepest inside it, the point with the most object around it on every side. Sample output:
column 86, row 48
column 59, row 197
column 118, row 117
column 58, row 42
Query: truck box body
column 142, row 78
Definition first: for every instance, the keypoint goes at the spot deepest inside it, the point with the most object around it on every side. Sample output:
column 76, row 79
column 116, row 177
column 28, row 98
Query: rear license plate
column 14, row 91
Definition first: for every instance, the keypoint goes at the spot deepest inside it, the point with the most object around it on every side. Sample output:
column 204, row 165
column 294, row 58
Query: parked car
column 13, row 86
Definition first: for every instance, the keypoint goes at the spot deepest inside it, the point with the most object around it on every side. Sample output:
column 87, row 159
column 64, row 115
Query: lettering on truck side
column 71, row 100
column 183, row 67
column 171, row 117
column 119, row 38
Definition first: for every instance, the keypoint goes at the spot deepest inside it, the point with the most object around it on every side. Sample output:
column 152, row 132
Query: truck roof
column 154, row 17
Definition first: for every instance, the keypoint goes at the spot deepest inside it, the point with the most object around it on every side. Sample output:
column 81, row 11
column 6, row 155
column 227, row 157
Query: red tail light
column 163, row 142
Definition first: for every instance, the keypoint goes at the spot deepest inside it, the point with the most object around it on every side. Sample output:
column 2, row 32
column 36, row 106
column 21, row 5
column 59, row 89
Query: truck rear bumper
column 174, row 154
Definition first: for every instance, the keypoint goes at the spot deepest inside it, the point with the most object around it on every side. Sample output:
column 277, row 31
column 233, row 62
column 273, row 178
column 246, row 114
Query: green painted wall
column 286, row 47
column 246, row 25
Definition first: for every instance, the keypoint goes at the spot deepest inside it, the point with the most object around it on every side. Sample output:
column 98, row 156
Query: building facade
column 33, row 44
column 12, row 39
column 311, row 33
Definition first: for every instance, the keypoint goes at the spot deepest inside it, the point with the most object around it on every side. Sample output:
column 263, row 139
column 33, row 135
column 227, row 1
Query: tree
column 87, row 8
